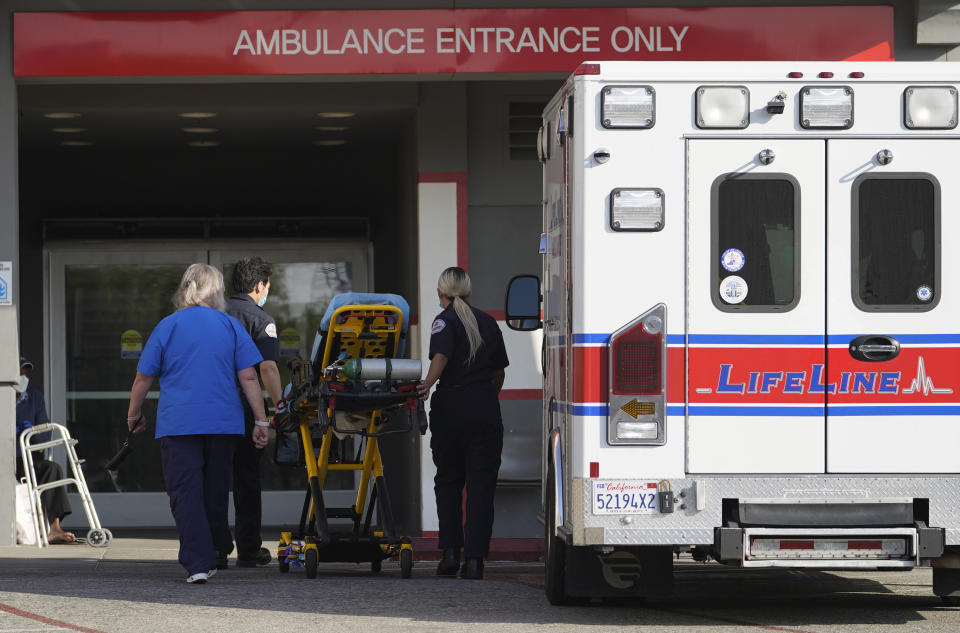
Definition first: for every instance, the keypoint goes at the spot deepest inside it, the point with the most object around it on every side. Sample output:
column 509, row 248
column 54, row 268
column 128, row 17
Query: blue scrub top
column 196, row 354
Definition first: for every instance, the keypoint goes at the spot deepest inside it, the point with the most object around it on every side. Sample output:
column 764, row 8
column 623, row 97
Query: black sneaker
column 221, row 562
column 259, row 559
column 449, row 562
column 472, row 569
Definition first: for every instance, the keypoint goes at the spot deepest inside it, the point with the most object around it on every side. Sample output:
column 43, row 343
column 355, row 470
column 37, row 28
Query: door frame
column 150, row 509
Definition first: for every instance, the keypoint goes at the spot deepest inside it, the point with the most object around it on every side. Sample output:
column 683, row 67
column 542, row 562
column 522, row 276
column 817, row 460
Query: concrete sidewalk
column 136, row 586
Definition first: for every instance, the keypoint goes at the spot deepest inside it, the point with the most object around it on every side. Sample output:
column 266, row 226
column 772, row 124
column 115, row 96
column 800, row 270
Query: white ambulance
column 751, row 315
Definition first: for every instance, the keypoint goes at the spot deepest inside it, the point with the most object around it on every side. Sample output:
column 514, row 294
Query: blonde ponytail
column 454, row 283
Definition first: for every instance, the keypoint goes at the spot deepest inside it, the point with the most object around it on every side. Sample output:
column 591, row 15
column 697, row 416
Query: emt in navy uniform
column 251, row 283
column 468, row 358
column 199, row 354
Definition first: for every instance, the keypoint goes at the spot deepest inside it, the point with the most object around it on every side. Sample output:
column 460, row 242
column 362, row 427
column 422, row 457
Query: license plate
column 616, row 496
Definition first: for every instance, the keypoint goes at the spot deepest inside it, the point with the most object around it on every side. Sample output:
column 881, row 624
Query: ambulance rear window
column 896, row 242
column 755, row 243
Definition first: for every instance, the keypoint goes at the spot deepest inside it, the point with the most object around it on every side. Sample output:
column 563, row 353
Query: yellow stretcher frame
column 359, row 331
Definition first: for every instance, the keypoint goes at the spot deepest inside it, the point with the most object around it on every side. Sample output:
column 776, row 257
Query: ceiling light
column 199, row 130
column 197, row 115
column 62, row 115
column 332, row 128
column 76, row 143
column 203, row 143
column 330, row 142
column 335, row 115
column 69, row 130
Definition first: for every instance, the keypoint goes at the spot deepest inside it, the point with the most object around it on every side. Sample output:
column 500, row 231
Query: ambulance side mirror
column 522, row 309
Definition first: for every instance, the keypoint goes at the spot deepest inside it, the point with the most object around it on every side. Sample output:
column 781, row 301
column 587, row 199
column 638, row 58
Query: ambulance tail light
column 637, row 379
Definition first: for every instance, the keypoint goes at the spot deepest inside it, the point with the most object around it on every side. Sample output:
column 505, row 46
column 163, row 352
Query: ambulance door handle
column 874, row 348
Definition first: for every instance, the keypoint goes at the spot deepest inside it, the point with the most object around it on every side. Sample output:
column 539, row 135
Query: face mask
column 263, row 299
column 22, row 385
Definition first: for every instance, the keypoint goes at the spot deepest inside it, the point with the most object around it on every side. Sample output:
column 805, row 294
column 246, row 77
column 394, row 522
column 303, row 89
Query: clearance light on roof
column 723, row 107
column 636, row 209
column 628, row 107
column 826, row 107
column 930, row 107
column 795, row 75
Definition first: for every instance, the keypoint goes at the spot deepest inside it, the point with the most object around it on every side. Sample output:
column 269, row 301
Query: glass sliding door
column 104, row 300
column 303, row 283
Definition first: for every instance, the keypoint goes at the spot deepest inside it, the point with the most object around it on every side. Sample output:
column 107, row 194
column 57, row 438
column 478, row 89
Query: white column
column 437, row 235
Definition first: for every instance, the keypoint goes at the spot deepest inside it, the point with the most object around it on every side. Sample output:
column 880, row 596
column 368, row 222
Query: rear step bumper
column 830, row 547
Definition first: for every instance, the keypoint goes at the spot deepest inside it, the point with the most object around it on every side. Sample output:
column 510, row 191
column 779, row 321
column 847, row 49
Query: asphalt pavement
column 136, row 586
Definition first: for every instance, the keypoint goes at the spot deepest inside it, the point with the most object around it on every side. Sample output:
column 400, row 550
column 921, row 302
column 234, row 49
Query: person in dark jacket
column 32, row 411
column 467, row 357
column 251, row 285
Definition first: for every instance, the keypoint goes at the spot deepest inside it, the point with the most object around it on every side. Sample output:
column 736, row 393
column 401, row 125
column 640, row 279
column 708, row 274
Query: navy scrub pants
column 197, row 469
column 466, row 441
column 247, row 505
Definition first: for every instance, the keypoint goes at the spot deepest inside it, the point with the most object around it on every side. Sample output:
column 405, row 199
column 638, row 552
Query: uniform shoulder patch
column 438, row 326
column 271, row 330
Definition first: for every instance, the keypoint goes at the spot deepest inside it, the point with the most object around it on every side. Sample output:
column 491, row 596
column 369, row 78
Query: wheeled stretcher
column 353, row 375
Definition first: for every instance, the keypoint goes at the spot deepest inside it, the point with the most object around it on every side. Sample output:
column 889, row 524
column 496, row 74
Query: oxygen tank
column 382, row 369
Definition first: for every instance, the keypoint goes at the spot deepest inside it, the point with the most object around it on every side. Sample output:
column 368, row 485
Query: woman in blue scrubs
column 199, row 353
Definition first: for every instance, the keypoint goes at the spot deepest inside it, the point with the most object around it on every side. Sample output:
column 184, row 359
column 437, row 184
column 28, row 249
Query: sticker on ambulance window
column 733, row 289
column 732, row 260
column 924, row 293
column 624, row 496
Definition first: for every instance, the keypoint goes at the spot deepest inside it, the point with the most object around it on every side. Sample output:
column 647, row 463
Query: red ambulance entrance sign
column 441, row 42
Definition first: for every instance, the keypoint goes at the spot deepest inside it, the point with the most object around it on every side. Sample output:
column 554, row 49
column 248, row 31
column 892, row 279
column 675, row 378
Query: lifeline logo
column 796, row 382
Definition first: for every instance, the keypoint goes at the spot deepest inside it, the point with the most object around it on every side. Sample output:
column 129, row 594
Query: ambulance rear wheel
column 310, row 560
column 555, row 559
column 284, row 564
column 406, row 563
column 376, row 566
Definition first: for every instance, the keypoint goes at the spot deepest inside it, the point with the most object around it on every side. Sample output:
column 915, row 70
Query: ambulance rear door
column 756, row 305
column 893, row 310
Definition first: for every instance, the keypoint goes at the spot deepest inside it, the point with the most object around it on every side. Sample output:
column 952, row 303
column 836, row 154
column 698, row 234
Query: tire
column 376, row 566
column 555, row 552
column 283, row 563
column 310, row 563
column 950, row 601
column 406, row 563
column 98, row 538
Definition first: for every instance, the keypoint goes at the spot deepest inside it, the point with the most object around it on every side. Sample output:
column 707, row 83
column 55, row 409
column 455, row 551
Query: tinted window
column 896, row 242
column 755, row 237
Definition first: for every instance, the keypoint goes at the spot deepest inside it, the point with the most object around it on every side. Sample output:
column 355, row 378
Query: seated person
column 31, row 411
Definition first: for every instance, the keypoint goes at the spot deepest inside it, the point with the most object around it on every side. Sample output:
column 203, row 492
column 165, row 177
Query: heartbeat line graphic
column 924, row 383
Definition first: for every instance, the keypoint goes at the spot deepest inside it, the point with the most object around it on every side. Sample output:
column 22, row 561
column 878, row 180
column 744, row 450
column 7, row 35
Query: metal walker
column 97, row 536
